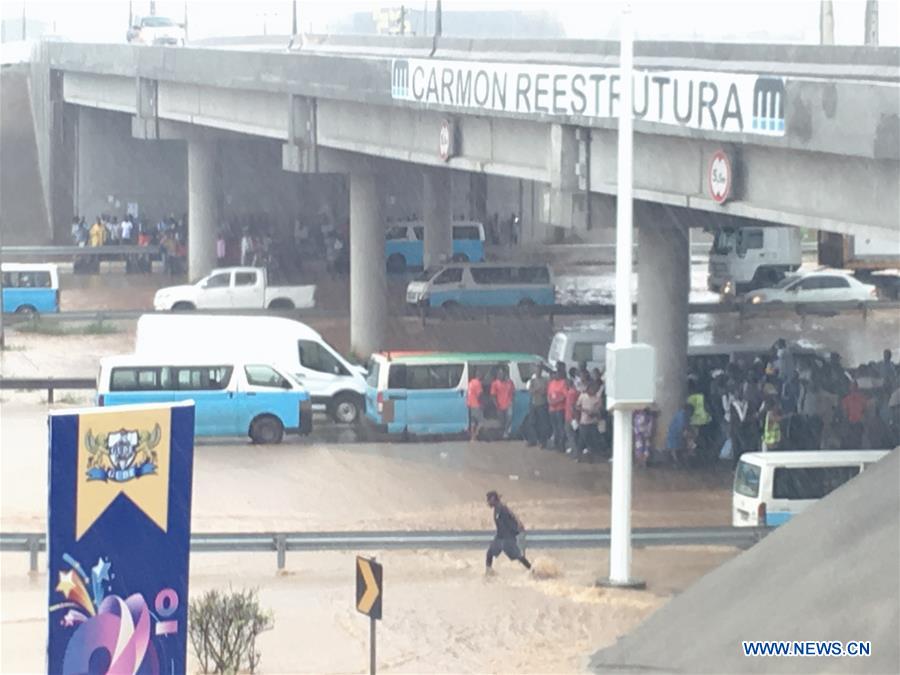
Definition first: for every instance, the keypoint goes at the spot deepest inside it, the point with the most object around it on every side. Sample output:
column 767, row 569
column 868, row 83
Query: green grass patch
column 50, row 327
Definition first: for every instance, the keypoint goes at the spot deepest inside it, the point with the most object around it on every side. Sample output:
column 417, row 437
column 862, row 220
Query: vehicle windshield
column 746, row 480
column 157, row 22
column 724, row 241
column 427, row 274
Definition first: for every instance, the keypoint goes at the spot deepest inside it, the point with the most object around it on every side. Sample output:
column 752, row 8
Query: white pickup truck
column 234, row 288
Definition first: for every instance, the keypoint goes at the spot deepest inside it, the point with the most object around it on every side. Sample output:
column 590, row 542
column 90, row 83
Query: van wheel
column 266, row 430
column 396, row 264
column 183, row 307
column 345, row 409
column 27, row 310
column 460, row 257
column 451, row 308
column 281, row 303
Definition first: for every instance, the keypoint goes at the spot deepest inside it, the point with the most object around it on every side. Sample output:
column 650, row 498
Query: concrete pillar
column 664, row 270
column 436, row 198
column 203, row 207
column 368, row 275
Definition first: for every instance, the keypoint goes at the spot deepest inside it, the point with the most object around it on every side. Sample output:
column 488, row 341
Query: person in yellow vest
column 771, row 436
column 97, row 234
column 700, row 420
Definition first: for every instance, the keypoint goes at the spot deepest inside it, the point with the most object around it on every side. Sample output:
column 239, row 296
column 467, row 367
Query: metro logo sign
column 709, row 101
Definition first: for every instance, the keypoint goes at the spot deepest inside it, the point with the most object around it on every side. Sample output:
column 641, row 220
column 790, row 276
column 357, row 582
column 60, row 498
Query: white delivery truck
column 874, row 260
column 234, row 288
column 334, row 384
column 748, row 257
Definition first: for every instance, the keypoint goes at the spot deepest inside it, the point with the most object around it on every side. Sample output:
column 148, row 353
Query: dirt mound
column 829, row 574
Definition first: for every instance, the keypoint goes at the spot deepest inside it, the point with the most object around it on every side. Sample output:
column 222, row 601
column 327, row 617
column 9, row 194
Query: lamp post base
column 630, row 584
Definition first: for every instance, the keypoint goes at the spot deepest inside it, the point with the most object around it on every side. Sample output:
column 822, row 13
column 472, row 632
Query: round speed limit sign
column 720, row 177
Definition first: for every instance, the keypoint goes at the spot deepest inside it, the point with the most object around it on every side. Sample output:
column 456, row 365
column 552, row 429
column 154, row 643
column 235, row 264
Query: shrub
column 223, row 628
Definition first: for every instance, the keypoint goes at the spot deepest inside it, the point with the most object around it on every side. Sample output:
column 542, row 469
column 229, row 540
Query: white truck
column 744, row 258
column 234, row 288
column 874, row 260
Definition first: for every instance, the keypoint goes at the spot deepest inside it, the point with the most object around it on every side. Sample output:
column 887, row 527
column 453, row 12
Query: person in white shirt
column 127, row 227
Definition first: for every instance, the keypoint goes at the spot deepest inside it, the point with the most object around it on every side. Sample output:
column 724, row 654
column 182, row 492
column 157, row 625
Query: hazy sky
column 707, row 20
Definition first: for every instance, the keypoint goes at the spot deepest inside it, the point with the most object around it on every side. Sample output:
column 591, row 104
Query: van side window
column 245, row 279
column 466, row 232
column 315, row 357
column 396, row 232
column 434, row 376
column 204, row 378
column 265, row 376
column 810, row 482
column 532, row 275
column 491, row 275
column 419, row 231
column 138, row 379
column 453, row 275
column 397, row 376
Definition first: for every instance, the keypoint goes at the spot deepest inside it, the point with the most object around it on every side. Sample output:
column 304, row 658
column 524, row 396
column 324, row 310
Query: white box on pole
column 630, row 376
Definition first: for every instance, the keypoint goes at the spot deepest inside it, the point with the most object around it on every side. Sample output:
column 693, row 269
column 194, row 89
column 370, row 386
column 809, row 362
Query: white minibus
column 333, row 383
column 771, row 487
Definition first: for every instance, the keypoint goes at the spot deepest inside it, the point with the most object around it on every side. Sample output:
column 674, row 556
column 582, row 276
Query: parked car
column 821, row 286
column 234, row 288
column 156, row 30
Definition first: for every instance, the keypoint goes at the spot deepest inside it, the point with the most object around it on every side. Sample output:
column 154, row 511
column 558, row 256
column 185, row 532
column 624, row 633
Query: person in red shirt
column 556, row 404
column 473, row 403
column 571, row 418
column 503, row 391
column 853, row 411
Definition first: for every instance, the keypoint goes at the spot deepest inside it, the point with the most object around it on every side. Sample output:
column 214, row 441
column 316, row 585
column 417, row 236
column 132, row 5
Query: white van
column 573, row 347
column 334, row 384
column 771, row 487
column 744, row 258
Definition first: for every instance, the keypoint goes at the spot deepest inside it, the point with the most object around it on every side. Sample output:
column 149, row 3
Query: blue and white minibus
column 772, row 487
column 404, row 245
column 424, row 393
column 30, row 288
column 482, row 285
column 231, row 398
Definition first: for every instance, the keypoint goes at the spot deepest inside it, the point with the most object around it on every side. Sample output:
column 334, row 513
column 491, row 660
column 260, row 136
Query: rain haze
column 404, row 338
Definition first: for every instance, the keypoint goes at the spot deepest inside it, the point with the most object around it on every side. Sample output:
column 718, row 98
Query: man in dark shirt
column 508, row 529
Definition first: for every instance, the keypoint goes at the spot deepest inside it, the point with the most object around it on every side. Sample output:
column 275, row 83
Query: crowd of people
column 170, row 234
column 776, row 403
column 250, row 240
column 773, row 402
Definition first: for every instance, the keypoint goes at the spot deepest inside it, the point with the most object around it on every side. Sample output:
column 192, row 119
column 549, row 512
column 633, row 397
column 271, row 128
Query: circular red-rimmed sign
column 445, row 140
column 719, row 177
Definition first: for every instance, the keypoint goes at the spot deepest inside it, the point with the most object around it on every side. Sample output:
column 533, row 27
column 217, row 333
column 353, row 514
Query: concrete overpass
column 806, row 136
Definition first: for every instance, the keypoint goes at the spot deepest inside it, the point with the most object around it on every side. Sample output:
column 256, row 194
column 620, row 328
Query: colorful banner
column 119, row 539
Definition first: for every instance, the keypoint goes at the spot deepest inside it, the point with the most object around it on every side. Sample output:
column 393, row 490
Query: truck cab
column 748, row 257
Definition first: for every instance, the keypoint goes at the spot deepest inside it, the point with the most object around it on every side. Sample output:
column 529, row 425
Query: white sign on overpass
column 708, row 101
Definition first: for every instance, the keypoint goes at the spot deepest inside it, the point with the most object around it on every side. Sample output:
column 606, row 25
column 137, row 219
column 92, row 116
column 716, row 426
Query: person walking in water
column 509, row 528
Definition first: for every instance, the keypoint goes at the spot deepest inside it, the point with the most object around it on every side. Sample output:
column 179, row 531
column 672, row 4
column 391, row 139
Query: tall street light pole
column 620, row 515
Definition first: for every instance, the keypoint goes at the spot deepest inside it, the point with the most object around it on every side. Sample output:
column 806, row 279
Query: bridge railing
column 282, row 542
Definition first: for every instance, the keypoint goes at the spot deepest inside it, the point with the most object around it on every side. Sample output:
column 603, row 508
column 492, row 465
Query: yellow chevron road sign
column 368, row 587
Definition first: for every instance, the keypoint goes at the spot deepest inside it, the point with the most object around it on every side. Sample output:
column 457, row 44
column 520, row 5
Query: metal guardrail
column 282, row 542
column 67, row 251
column 744, row 310
column 51, row 384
